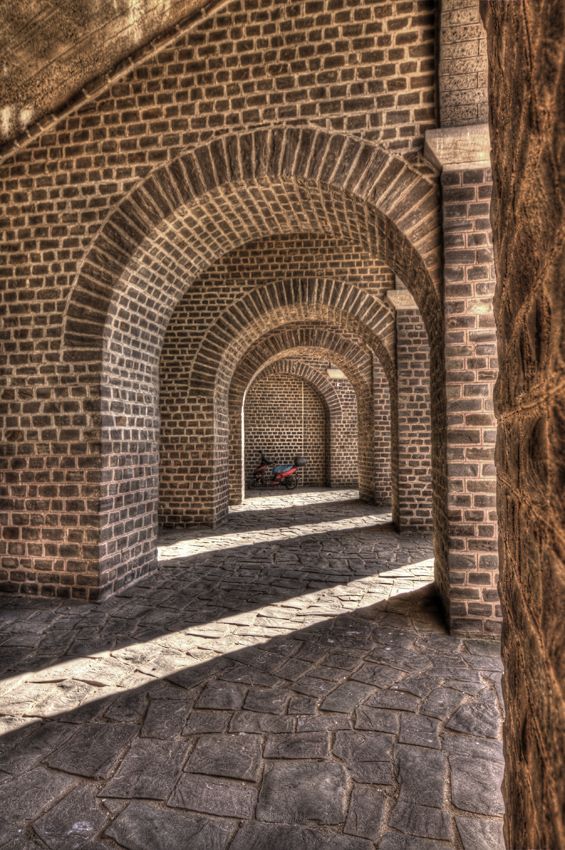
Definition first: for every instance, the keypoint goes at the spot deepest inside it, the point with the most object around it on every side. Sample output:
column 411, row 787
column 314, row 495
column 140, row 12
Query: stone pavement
column 281, row 683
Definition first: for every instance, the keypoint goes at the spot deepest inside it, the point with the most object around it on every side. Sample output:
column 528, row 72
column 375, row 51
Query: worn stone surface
column 301, row 745
column 365, row 813
column 238, row 756
column 260, row 769
column 475, row 786
column 479, row 833
column 214, row 796
column 528, row 224
column 422, row 775
column 93, row 750
column 424, row 821
column 73, row 822
column 26, row 795
column 144, row 827
column 303, row 793
column 149, row 770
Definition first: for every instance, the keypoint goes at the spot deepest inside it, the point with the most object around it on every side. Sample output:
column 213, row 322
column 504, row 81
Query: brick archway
column 311, row 412
column 298, row 340
column 335, row 302
column 339, row 311
column 171, row 227
column 239, row 188
column 303, row 370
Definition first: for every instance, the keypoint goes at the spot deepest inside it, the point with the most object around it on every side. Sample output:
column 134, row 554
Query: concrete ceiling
column 49, row 49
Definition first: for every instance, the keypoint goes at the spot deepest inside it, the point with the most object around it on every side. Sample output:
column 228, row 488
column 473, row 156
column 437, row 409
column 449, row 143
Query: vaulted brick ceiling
column 49, row 49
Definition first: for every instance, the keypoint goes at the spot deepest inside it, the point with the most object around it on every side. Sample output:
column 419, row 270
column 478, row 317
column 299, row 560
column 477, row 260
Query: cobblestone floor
column 282, row 683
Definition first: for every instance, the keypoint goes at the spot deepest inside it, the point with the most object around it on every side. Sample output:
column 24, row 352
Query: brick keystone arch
column 354, row 354
column 170, row 227
column 182, row 498
column 322, row 389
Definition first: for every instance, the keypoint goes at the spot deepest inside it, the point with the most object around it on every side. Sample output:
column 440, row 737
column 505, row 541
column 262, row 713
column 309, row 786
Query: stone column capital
column 458, row 147
column 401, row 299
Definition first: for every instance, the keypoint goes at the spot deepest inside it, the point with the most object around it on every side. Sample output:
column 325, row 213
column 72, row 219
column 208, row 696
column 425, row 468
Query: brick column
column 413, row 506
column 384, row 429
column 470, row 355
column 236, row 467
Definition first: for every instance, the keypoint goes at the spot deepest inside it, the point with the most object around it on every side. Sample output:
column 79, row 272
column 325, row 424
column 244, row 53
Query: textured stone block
column 214, row 796
column 303, row 793
column 144, row 827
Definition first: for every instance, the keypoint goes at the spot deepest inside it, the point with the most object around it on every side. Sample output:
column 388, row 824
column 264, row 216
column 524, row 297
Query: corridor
column 283, row 682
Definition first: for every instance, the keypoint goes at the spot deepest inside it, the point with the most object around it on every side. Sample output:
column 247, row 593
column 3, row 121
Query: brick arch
column 318, row 338
column 297, row 340
column 180, row 503
column 171, row 227
column 334, row 302
column 310, row 375
column 320, row 386
column 162, row 223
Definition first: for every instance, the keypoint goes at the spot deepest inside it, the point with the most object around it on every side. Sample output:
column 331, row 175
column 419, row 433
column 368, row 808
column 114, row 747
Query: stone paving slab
column 281, row 683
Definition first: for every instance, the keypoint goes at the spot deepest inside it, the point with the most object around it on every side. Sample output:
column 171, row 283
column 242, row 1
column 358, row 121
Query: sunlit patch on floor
column 300, row 646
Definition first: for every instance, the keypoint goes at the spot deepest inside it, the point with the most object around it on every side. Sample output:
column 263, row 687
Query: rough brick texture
column 285, row 416
column 526, row 51
column 340, row 406
column 463, row 66
column 414, row 423
column 112, row 210
column 471, row 369
column 363, row 68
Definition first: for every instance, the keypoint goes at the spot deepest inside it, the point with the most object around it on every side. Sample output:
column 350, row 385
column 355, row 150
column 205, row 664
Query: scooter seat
column 278, row 469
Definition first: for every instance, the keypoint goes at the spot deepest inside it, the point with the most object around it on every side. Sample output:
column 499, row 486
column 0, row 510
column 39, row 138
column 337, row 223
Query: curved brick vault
column 206, row 202
column 309, row 377
column 334, row 301
column 253, row 347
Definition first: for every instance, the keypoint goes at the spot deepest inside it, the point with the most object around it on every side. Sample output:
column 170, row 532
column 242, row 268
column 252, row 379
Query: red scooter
column 281, row 474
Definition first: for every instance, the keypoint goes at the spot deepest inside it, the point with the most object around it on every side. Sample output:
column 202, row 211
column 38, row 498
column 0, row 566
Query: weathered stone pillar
column 462, row 154
column 413, row 506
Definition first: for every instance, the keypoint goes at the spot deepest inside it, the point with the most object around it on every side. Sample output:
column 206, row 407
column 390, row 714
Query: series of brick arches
column 175, row 224
column 290, row 407
column 318, row 339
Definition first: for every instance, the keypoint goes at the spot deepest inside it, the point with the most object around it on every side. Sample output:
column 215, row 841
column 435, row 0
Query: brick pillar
column 470, row 356
column 383, row 432
column 413, row 508
column 237, row 478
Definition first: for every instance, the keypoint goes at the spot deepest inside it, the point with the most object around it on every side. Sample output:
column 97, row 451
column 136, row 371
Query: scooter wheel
column 252, row 484
column 290, row 482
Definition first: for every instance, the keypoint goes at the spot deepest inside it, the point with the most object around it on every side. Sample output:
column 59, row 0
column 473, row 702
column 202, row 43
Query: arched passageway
column 285, row 415
column 151, row 260
column 360, row 367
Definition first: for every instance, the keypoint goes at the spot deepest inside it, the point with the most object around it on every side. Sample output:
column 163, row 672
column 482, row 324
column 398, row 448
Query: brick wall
column 526, row 46
column 365, row 69
column 385, row 438
column 195, row 348
column 285, row 416
column 341, row 402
